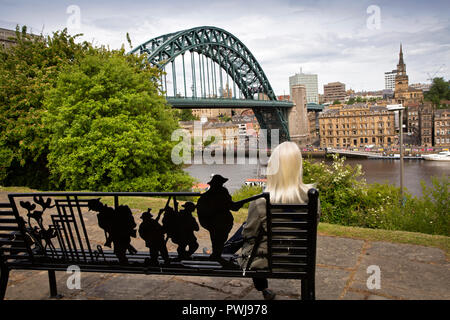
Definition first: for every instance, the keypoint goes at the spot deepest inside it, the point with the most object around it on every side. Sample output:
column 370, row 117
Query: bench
column 48, row 231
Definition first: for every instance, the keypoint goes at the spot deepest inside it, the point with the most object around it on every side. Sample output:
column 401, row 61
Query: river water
column 382, row 171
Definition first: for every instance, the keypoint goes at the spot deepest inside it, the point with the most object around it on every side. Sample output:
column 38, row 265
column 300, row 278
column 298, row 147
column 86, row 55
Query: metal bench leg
column 4, row 276
column 308, row 289
column 52, row 283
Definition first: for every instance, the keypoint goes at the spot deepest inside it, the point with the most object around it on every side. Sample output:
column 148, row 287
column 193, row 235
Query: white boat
column 441, row 156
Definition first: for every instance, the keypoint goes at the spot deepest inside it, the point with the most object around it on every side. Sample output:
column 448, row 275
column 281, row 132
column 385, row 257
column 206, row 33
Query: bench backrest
column 12, row 241
column 292, row 229
column 292, row 236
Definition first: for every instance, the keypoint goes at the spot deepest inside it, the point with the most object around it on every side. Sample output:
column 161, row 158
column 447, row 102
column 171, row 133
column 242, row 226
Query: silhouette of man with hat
column 153, row 234
column 188, row 225
column 213, row 209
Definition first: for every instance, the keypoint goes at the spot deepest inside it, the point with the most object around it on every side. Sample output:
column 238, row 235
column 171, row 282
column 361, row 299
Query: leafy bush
column 347, row 199
column 27, row 70
column 246, row 191
column 110, row 128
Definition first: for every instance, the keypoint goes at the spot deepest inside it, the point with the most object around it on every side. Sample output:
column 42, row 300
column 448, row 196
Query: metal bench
column 47, row 231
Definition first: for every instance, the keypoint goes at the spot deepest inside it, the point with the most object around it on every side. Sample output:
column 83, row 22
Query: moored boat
column 441, row 156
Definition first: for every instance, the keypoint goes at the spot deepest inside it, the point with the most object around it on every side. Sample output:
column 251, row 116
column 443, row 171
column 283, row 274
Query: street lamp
column 400, row 108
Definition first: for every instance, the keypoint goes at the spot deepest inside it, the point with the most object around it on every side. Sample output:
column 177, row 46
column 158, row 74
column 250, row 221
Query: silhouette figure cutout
column 119, row 227
column 187, row 226
column 153, row 234
column 213, row 209
column 170, row 222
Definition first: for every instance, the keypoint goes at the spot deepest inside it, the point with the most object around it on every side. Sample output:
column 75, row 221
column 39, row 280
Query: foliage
column 246, row 191
column 336, row 102
column 440, row 90
column 339, row 187
column 110, row 127
column 225, row 118
column 351, row 101
column 27, row 71
column 347, row 199
column 185, row 115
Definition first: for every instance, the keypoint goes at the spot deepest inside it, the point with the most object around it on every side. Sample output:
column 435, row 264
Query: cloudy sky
column 354, row 42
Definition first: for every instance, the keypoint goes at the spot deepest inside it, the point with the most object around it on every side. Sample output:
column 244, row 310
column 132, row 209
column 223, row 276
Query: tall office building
column 389, row 80
column 310, row 83
column 334, row 91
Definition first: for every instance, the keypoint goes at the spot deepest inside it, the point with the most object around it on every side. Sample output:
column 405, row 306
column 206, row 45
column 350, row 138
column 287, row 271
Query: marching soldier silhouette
column 153, row 233
column 119, row 227
column 188, row 225
column 213, row 209
column 170, row 222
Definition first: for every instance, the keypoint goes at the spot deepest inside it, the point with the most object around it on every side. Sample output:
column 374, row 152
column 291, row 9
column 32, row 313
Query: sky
column 353, row 42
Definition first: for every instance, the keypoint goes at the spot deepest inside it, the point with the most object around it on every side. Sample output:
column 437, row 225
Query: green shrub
column 347, row 199
column 110, row 128
column 246, row 191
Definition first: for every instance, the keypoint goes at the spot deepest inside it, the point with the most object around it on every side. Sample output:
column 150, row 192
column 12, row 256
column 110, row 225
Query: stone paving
column 407, row 272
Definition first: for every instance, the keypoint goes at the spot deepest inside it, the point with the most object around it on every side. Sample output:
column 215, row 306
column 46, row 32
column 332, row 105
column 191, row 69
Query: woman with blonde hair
column 285, row 185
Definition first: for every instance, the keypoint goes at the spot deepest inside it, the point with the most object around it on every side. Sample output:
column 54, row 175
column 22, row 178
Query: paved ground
column 407, row 272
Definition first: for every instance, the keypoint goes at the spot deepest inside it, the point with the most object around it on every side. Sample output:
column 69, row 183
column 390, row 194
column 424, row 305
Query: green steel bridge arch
column 233, row 57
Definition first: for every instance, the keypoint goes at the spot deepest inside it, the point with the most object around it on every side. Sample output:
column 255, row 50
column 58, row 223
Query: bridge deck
column 225, row 103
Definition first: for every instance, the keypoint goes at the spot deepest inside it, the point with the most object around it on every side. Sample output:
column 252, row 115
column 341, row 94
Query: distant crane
column 434, row 75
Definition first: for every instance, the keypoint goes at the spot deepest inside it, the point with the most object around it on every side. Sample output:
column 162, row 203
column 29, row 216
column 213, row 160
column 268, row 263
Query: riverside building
column 357, row 125
column 442, row 128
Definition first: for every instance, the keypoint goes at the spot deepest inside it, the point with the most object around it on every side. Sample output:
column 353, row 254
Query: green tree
column 186, row 115
column 440, row 90
column 110, row 128
column 351, row 101
column 27, row 70
column 336, row 102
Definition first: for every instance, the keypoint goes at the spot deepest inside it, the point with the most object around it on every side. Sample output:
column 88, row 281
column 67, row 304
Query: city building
column 442, row 128
column 426, row 124
column 215, row 113
column 228, row 131
column 5, row 38
column 357, row 125
column 421, row 86
column 211, row 113
column 412, row 122
column 314, row 110
column 389, row 80
column 334, row 91
column 403, row 93
column 310, row 82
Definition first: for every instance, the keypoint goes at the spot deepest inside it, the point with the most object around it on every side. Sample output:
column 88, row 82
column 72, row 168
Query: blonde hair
column 284, row 175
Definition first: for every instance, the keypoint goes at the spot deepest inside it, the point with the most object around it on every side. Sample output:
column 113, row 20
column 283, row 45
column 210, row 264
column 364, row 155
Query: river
column 382, row 171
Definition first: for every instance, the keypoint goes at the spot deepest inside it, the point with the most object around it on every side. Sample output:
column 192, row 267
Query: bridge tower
column 298, row 117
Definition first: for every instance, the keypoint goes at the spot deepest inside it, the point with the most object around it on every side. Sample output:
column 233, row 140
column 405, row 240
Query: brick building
column 426, row 124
